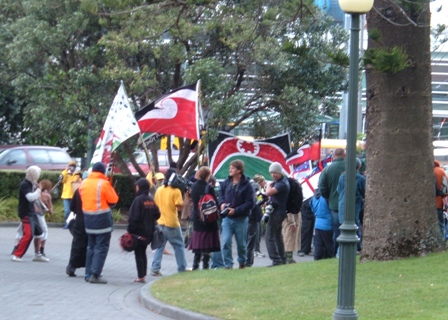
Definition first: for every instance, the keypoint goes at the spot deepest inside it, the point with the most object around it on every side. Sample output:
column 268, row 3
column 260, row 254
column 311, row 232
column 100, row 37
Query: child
column 41, row 207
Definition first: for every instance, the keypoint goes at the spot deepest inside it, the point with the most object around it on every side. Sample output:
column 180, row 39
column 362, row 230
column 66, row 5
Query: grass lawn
column 413, row 288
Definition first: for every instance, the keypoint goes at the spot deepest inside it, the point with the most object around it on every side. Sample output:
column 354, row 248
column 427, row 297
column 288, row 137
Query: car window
column 39, row 156
column 58, row 156
column 13, row 157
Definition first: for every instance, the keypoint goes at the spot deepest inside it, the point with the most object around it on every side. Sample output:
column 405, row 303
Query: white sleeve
column 33, row 196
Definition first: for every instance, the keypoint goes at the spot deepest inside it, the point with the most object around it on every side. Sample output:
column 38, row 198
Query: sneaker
column 16, row 258
column 40, row 258
column 97, row 279
column 259, row 254
column 301, row 254
column 156, row 273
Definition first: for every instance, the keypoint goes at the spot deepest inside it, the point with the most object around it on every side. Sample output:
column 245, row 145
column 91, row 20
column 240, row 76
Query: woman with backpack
column 205, row 238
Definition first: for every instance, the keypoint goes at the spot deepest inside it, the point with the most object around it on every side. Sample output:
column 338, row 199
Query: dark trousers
column 141, row 261
column 78, row 251
column 336, row 231
column 307, row 233
column 97, row 250
column 323, row 244
column 274, row 239
column 25, row 241
column 252, row 235
column 441, row 219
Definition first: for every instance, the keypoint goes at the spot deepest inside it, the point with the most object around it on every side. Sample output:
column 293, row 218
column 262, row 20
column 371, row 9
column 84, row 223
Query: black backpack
column 295, row 197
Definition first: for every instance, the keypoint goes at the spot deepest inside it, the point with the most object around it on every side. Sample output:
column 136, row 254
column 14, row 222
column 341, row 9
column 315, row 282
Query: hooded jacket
column 28, row 192
column 143, row 213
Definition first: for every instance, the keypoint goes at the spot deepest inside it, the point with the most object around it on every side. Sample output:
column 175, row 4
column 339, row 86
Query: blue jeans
column 97, row 249
column 66, row 203
column 174, row 236
column 237, row 227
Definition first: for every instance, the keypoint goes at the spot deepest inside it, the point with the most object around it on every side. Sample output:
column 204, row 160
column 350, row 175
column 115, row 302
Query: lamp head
column 356, row 6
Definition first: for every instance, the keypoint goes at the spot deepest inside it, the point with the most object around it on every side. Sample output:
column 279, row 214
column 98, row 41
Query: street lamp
column 348, row 238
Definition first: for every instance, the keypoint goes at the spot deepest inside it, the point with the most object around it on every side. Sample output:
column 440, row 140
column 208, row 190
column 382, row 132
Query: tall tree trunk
column 400, row 214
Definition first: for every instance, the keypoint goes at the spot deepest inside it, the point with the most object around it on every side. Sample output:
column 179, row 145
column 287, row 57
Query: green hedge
column 10, row 181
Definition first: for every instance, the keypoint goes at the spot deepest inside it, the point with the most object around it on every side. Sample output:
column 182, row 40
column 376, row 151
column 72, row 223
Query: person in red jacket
column 97, row 196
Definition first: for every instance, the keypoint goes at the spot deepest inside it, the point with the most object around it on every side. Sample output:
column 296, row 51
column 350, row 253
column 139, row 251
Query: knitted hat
column 275, row 167
column 258, row 178
column 99, row 167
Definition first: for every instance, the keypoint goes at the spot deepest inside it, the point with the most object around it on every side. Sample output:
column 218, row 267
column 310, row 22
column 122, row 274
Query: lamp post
column 348, row 238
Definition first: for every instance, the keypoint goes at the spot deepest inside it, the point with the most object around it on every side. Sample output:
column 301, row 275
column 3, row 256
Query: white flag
column 120, row 125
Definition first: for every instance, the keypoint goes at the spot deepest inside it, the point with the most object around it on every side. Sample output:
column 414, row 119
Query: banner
column 257, row 155
column 120, row 125
column 174, row 113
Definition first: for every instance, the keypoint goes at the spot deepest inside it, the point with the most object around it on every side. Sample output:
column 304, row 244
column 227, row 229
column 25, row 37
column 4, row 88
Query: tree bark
column 400, row 216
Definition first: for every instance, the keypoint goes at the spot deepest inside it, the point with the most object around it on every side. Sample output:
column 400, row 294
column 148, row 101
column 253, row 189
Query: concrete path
column 39, row 290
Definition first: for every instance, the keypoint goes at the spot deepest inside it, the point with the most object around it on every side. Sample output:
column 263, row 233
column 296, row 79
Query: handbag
column 129, row 241
column 158, row 239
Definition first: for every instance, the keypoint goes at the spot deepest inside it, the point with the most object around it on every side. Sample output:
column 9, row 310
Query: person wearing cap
column 261, row 181
column 169, row 200
column 67, row 178
column 236, row 195
column 278, row 191
column 359, row 198
column 143, row 215
column 254, row 221
column 97, row 196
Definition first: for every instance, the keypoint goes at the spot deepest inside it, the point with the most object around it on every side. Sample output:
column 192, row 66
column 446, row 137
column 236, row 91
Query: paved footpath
column 39, row 290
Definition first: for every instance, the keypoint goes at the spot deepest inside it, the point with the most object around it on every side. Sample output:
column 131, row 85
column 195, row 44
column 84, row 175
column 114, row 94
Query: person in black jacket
column 142, row 221
column 77, row 228
column 205, row 238
column 237, row 196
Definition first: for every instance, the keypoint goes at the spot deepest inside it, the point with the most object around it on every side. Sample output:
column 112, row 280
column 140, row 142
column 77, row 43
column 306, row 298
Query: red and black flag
column 175, row 113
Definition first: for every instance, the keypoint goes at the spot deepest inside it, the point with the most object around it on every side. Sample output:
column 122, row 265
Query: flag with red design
column 299, row 155
column 257, row 155
column 119, row 126
column 174, row 113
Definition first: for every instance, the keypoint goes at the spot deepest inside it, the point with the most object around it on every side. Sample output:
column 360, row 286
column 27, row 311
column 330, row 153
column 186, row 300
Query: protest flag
column 257, row 155
column 120, row 125
column 175, row 113
column 299, row 155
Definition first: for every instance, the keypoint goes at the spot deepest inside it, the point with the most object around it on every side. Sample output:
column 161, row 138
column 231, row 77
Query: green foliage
column 256, row 60
column 375, row 35
column 384, row 60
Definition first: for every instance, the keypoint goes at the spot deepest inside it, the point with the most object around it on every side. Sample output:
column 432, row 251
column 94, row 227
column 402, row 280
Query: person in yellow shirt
column 67, row 178
column 169, row 200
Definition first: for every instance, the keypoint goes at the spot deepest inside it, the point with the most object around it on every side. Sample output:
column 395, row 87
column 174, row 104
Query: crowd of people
column 246, row 206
